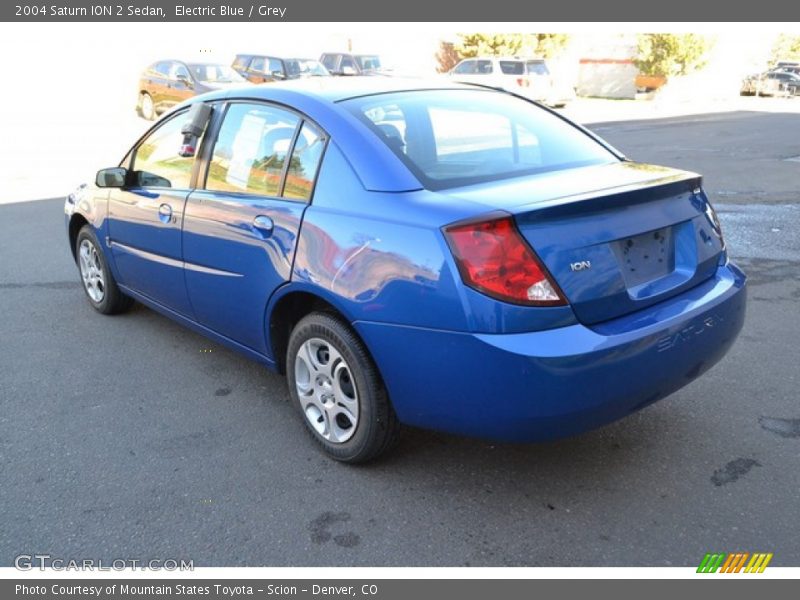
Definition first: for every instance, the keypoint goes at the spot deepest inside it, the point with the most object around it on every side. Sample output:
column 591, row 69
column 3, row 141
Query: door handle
column 165, row 213
column 263, row 225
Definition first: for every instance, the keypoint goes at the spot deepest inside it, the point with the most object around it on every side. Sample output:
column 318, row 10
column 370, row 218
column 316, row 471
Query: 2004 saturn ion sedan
column 442, row 256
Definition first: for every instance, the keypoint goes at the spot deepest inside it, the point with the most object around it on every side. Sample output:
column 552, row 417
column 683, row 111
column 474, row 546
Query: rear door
column 145, row 218
column 240, row 232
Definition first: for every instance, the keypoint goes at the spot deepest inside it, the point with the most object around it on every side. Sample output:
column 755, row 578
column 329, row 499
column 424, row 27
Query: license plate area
column 646, row 257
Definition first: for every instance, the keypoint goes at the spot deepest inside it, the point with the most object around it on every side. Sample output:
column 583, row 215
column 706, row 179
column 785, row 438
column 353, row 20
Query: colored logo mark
column 736, row 562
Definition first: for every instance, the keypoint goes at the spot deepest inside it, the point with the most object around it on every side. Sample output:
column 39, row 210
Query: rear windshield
column 512, row 67
column 449, row 138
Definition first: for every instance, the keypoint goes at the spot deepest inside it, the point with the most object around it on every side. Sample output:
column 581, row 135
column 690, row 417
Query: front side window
column 506, row 137
column 257, row 64
column 304, row 163
column 178, row 71
column 348, row 61
column 251, row 150
column 215, row 74
column 156, row 162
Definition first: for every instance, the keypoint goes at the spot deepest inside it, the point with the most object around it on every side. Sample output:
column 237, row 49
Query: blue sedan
column 442, row 256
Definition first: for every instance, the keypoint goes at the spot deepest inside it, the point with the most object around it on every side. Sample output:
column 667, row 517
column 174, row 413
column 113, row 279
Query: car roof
column 337, row 89
column 375, row 164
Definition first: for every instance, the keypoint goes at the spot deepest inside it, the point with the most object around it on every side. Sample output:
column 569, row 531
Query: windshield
column 215, row 74
column 537, row 67
column 302, row 66
column 368, row 62
column 506, row 137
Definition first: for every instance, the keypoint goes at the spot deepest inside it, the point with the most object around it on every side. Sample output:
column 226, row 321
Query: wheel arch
column 287, row 306
column 76, row 223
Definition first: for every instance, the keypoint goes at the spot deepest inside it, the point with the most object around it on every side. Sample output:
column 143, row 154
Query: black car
column 261, row 68
column 344, row 63
column 169, row 82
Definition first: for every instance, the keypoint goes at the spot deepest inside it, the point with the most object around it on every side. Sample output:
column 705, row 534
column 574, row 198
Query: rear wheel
column 147, row 108
column 98, row 282
column 339, row 391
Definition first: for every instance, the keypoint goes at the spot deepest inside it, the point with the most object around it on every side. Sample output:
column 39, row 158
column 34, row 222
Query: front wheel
column 98, row 282
column 339, row 391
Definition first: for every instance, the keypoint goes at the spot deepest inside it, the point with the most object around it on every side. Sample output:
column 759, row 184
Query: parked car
column 517, row 279
column 778, row 82
column 528, row 77
column 345, row 63
column 169, row 82
column 260, row 68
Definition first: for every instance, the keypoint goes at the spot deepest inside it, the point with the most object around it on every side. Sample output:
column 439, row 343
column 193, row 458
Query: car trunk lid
column 616, row 238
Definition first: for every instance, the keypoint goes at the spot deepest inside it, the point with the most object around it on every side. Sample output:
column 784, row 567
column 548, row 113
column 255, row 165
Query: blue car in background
column 429, row 254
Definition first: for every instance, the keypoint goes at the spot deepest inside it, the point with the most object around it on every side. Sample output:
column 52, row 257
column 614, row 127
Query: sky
column 69, row 89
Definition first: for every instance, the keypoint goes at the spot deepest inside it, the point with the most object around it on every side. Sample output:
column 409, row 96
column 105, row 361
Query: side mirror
column 114, row 177
column 184, row 79
column 348, row 70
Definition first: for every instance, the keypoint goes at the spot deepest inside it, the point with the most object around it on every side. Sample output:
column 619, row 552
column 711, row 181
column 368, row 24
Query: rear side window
column 536, row 67
column 251, row 150
column 275, row 66
column 156, row 162
column 506, row 136
column 484, row 67
column 304, row 163
column 512, row 67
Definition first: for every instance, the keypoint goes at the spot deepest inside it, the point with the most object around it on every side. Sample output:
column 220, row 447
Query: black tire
column 113, row 301
column 377, row 429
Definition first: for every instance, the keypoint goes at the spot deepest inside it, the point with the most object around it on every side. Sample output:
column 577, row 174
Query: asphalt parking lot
column 132, row 437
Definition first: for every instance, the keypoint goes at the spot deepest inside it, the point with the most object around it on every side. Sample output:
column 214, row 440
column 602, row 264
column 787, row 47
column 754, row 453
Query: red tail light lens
column 495, row 259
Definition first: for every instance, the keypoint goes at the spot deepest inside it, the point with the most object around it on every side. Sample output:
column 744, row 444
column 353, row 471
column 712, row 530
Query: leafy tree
column 786, row 47
column 544, row 45
column 670, row 54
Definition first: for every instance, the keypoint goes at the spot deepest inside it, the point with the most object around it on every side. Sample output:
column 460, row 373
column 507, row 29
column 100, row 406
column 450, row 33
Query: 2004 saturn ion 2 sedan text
column 437, row 255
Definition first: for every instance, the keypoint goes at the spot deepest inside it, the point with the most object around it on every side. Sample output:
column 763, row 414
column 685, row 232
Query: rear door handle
column 263, row 225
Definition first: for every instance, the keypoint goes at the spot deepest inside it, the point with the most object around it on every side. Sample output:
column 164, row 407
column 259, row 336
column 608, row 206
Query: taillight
column 495, row 259
column 523, row 81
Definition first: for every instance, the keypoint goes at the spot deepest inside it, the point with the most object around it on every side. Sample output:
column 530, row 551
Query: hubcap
column 91, row 271
column 327, row 390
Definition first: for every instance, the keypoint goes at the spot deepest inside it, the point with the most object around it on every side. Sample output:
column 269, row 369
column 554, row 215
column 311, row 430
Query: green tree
column 544, row 45
column 670, row 54
column 786, row 47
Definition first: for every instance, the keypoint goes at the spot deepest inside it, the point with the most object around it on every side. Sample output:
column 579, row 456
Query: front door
column 240, row 232
column 145, row 218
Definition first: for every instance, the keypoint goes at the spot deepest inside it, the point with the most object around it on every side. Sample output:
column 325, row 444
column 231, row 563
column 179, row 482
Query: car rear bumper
column 559, row 382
